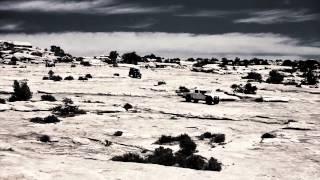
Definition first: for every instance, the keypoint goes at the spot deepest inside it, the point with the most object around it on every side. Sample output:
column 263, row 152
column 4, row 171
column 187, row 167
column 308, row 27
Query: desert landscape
column 65, row 117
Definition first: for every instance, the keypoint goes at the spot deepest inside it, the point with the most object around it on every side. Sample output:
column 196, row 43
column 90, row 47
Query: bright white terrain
column 293, row 155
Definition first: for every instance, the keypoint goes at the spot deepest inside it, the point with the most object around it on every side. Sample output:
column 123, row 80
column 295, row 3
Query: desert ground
column 76, row 150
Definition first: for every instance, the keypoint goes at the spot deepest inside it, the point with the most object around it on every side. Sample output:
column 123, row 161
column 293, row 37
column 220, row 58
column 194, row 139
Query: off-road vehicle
column 201, row 95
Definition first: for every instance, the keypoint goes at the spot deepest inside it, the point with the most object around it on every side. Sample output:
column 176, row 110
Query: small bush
column 85, row 63
column 45, row 78
column 183, row 89
column 275, row 77
column 48, row 97
column 82, row 78
column 310, row 78
column 215, row 138
column 88, row 76
column 2, row 101
column 161, row 83
column 127, row 106
column 21, row 92
column 56, row 78
column 69, row 78
column 50, row 73
column 118, row 133
column 187, row 146
column 170, row 139
column 194, row 162
column 214, row 165
column 218, row 138
column 162, row 156
column 46, row 120
column 45, row 138
column 129, row 157
column 51, row 119
column 73, row 65
column 116, row 74
column 268, row 135
column 253, row 75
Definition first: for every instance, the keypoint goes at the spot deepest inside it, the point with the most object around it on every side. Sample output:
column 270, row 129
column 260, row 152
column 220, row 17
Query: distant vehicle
column 201, row 95
column 135, row 73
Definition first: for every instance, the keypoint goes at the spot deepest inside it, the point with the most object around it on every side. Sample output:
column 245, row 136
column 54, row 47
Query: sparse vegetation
column 254, row 76
column 129, row 157
column 246, row 89
column 46, row 120
column 164, row 139
column 183, row 158
column 67, row 109
column 21, row 92
column 214, row 137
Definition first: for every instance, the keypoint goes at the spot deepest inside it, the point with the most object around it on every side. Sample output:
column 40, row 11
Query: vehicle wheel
column 196, row 101
column 188, row 98
column 216, row 100
column 209, row 100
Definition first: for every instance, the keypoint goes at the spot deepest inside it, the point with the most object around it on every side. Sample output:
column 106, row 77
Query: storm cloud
column 123, row 22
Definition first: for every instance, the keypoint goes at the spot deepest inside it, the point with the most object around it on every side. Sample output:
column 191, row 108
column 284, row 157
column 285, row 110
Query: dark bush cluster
column 164, row 139
column 161, row 83
column 118, row 133
column 67, row 109
column 129, row 157
column 253, row 75
column 246, row 89
column 275, row 77
column 214, row 137
column 88, row 76
column 56, row 78
column 85, row 63
column 182, row 158
column 45, row 138
column 48, row 97
column 82, row 78
column 268, row 135
column 202, row 62
column 162, row 156
column 127, row 106
column 131, row 58
column 2, row 101
column 69, row 78
column 310, row 78
column 21, row 92
column 46, row 120
column 52, row 76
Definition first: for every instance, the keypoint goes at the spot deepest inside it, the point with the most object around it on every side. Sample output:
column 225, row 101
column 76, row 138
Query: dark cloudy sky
column 269, row 28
